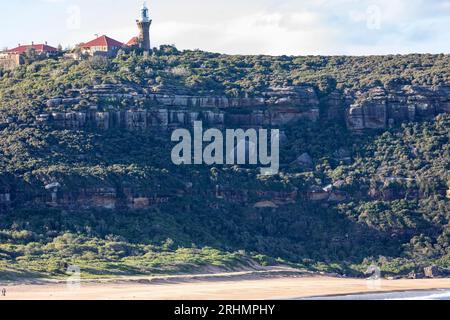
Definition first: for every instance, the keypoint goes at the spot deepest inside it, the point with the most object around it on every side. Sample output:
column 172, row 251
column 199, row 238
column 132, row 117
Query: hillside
column 86, row 176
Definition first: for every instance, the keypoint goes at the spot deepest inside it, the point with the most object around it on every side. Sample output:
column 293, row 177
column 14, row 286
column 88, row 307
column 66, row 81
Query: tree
column 100, row 63
column 31, row 55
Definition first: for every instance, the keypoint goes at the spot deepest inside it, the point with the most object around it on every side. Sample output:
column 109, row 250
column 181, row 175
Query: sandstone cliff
column 379, row 108
column 375, row 108
column 130, row 107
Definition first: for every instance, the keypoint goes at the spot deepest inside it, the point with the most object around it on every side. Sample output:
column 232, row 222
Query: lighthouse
column 144, row 28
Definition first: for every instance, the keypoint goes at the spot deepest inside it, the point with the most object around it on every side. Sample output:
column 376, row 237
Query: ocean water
column 443, row 294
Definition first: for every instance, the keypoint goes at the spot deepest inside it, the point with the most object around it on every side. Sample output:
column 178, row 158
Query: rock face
column 300, row 96
column 375, row 108
column 96, row 197
column 304, row 161
column 379, row 108
column 134, row 108
column 278, row 106
column 435, row 271
column 165, row 118
column 432, row 272
column 336, row 105
column 111, row 197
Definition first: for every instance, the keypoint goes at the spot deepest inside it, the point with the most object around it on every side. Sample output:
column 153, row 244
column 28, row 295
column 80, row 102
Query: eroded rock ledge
column 379, row 108
column 375, row 108
column 277, row 107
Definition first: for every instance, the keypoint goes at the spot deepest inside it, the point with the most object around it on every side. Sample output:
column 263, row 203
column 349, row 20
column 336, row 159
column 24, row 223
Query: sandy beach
column 223, row 287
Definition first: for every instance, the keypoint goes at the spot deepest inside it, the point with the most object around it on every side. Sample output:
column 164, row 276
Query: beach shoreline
column 277, row 285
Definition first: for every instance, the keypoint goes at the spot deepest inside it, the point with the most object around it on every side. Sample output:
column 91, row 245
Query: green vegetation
column 111, row 256
column 395, row 211
column 23, row 91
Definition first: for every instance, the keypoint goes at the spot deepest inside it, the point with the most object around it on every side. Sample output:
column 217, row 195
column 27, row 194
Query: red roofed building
column 101, row 46
column 13, row 58
column 40, row 48
column 133, row 42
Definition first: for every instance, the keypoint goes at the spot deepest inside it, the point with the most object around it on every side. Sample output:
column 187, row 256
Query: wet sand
column 222, row 288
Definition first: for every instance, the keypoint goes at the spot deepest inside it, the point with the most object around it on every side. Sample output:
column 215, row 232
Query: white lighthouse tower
column 144, row 24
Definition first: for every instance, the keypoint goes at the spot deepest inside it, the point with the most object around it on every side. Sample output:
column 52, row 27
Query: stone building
column 10, row 61
column 12, row 58
column 104, row 46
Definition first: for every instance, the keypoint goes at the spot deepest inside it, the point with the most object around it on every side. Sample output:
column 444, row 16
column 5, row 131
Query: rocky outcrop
column 277, row 106
column 300, row 96
column 435, row 272
column 95, row 197
column 112, row 197
column 335, row 104
column 375, row 108
column 330, row 193
column 379, row 108
column 304, row 161
column 442, row 94
column 292, row 96
column 166, row 118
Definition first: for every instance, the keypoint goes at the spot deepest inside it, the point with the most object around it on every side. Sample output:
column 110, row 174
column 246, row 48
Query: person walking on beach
column 4, row 292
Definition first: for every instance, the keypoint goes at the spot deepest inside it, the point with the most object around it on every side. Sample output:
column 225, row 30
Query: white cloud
column 319, row 27
column 253, row 26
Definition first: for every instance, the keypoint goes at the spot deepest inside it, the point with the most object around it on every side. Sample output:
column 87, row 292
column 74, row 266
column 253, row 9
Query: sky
column 275, row 27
